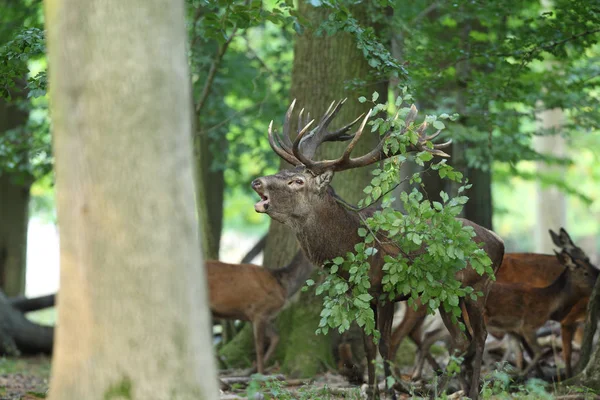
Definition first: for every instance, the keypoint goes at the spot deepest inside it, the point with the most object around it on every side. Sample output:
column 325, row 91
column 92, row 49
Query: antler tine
column 299, row 127
column 296, row 147
column 280, row 152
column 338, row 136
column 355, row 139
column 286, row 125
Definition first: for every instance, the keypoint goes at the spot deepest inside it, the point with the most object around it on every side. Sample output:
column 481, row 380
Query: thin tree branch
column 213, row 72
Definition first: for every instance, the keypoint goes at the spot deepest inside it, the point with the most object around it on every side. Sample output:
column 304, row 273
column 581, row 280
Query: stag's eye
column 298, row 181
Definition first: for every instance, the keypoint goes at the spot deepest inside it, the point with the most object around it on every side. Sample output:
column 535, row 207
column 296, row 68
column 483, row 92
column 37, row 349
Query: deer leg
column 460, row 344
column 475, row 313
column 416, row 338
column 259, row 326
column 273, row 340
column 429, row 339
column 371, row 353
column 530, row 339
column 385, row 319
column 567, row 332
column 411, row 323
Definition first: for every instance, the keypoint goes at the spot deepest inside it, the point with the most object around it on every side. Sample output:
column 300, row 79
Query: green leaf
column 338, row 260
column 375, row 96
column 362, row 99
column 366, row 297
column 438, row 124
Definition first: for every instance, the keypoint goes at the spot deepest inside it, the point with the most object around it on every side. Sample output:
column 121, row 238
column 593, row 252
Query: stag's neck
column 293, row 276
column 331, row 231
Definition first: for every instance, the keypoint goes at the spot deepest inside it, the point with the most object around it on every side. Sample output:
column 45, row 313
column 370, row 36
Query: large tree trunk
column 14, row 213
column 133, row 310
column 322, row 68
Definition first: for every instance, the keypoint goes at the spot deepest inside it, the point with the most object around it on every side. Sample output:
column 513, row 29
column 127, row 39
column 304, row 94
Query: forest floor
column 27, row 378
column 24, row 378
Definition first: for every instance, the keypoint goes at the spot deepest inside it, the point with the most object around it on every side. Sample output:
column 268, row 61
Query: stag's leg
column 429, row 339
column 273, row 340
column 371, row 352
column 259, row 326
column 567, row 332
column 386, row 316
column 475, row 313
column 460, row 343
column 410, row 325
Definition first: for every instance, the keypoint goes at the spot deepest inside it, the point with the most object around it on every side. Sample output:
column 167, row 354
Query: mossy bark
column 133, row 311
column 323, row 68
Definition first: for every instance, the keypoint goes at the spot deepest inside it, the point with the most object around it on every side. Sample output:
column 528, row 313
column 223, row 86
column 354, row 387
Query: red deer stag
column 251, row 293
column 302, row 199
column 531, row 289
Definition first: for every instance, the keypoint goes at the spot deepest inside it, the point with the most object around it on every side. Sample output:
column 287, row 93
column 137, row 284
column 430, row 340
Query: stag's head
column 293, row 194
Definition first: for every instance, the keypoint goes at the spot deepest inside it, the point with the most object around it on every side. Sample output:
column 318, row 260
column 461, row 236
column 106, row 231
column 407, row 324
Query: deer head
column 583, row 274
column 563, row 241
column 293, row 195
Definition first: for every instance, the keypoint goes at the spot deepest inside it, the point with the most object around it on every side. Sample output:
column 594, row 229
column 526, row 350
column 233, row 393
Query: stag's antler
column 301, row 151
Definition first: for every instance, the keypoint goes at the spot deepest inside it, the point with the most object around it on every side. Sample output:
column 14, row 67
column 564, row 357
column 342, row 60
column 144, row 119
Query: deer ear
column 323, row 180
column 555, row 239
column 565, row 259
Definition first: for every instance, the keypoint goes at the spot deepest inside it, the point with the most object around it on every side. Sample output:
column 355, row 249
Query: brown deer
column 325, row 227
column 251, row 293
column 521, row 310
column 535, row 270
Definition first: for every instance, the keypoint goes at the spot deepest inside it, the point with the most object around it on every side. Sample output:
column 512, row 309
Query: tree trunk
column 133, row 310
column 479, row 207
column 589, row 359
column 211, row 183
column 551, row 202
column 14, row 213
column 323, row 66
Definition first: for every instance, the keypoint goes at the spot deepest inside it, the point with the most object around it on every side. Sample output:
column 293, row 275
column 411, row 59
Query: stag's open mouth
column 263, row 204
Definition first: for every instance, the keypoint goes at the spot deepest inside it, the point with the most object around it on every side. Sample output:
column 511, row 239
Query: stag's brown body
column 250, row 293
column 302, row 199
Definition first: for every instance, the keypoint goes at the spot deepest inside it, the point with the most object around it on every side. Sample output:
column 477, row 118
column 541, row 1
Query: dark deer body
column 302, row 199
column 250, row 293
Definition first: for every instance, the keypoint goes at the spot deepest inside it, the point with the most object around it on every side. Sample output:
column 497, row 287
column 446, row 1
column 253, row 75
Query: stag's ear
column 323, row 180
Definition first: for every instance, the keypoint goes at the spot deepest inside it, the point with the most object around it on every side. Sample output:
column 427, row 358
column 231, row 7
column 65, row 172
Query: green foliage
column 27, row 45
column 424, row 247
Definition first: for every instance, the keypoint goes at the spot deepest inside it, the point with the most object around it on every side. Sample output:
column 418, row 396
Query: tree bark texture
column 323, row 66
column 133, row 308
column 14, row 214
column 211, row 183
column 589, row 359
